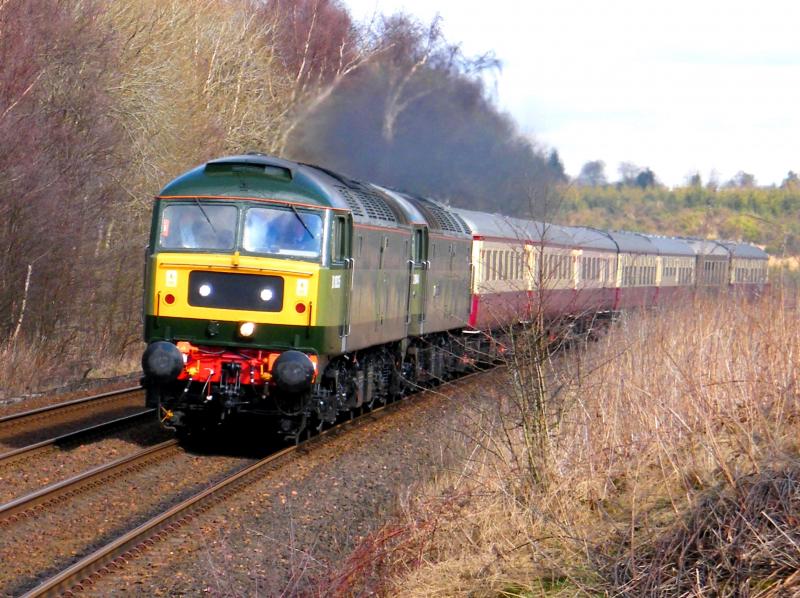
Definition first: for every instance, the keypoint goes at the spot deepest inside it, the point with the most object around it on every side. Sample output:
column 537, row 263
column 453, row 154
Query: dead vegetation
column 672, row 469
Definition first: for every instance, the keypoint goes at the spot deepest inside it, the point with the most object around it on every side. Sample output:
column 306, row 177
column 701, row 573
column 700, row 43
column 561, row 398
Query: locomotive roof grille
column 444, row 219
column 364, row 203
column 463, row 223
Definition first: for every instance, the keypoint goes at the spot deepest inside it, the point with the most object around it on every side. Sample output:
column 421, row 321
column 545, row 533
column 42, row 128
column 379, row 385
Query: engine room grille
column 367, row 204
column 445, row 220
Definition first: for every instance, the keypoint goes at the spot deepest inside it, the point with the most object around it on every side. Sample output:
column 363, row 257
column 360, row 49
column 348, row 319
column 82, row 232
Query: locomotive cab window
column 198, row 226
column 282, row 232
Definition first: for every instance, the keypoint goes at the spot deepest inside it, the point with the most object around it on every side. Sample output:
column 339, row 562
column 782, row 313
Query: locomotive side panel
column 380, row 286
column 447, row 280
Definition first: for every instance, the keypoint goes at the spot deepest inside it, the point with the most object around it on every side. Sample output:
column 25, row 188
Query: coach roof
column 515, row 229
column 708, row 247
column 632, row 242
column 745, row 250
column 671, row 246
column 587, row 237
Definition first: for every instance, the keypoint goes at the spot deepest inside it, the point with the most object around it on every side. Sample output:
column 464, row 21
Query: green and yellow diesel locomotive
column 286, row 291
column 292, row 293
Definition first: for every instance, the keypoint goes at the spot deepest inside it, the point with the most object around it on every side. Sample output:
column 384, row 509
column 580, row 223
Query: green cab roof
column 259, row 176
column 251, row 175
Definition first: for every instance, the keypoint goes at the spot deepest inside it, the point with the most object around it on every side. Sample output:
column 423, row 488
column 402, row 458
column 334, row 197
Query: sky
column 678, row 86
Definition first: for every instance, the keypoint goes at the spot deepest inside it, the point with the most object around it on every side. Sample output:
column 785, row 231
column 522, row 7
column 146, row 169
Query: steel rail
column 116, row 554
column 98, row 429
column 33, row 414
column 113, row 555
column 55, row 493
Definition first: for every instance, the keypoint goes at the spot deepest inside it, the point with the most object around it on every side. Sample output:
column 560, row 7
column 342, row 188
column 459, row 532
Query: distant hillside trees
column 593, row 174
column 768, row 216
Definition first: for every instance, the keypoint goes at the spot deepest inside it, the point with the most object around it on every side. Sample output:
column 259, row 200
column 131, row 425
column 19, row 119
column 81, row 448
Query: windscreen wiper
column 199, row 205
column 296, row 213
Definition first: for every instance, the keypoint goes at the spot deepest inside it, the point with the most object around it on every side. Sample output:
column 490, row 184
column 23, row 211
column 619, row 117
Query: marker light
column 266, row 294
column 169, row 298
column 204, row 290
column 246, row 329
column 300, row 307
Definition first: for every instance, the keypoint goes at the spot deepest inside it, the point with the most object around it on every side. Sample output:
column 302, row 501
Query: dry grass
column 30, row 367
column 674, row 470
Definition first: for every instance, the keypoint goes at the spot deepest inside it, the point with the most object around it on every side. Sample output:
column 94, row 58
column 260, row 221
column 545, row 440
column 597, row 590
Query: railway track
column 33, row 450
column 82, row 575
column 76, row 405
column 103, row 561
column 30, row 427
column 69, row 519
column 56, row 493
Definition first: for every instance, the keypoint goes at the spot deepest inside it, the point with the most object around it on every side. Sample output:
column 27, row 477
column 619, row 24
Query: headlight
column 204, row 290
column 266, row 294
column 246, row 329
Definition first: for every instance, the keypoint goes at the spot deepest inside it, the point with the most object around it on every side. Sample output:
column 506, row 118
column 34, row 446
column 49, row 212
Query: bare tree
column 319, row 47
column 420, row 62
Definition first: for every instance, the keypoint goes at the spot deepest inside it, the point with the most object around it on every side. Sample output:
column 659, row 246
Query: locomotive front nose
column 293, row 372
column 162, row 361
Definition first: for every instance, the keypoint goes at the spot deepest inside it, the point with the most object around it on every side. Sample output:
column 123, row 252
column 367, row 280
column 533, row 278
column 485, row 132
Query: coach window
column 501, row 265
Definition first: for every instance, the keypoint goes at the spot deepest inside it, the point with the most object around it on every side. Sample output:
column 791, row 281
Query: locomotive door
column 417, row 281
column 341, row 255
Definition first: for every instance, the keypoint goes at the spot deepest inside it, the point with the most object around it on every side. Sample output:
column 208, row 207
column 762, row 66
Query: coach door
column 417, row 281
